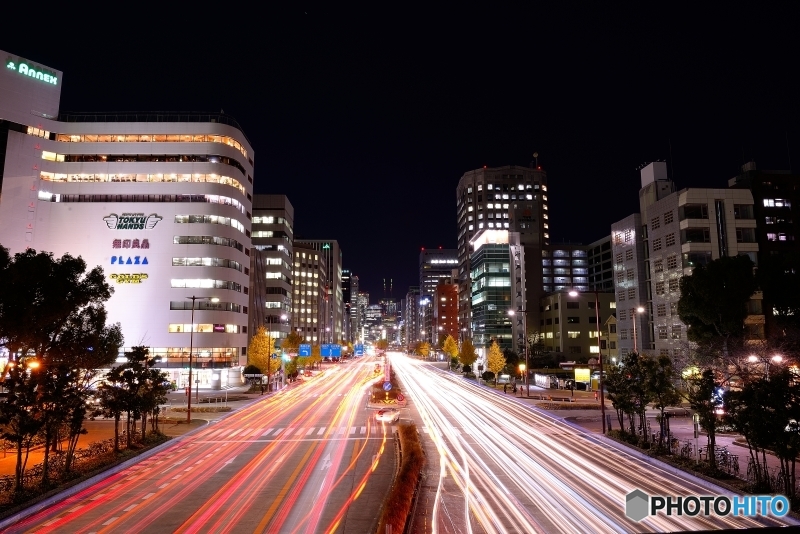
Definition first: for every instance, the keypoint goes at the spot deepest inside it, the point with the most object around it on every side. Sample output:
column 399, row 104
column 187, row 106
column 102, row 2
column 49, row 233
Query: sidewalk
column 680, row 423
column 172, row 423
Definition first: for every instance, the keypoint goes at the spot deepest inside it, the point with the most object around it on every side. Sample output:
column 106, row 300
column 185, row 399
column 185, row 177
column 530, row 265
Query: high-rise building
column 355, row 316
column 776, row 209
column 601, row 267
column 361, row 309
column 569, row 323
column 162, row 201
column 435, row 266
column 675, row 231
column 309, row 316
column 331, row 325
column 346, row 288
column 271, row 265
column 410, row 316
column 510, row 198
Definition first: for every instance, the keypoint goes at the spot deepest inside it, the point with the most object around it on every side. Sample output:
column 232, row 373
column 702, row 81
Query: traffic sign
column 387, row 386
column 359, row 349
column 400, row 397
column 305, row 349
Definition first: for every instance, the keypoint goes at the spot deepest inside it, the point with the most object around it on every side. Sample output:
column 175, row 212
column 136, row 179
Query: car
column 388, row 415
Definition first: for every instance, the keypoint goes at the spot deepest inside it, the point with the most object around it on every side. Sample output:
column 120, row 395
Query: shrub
column 401, row 497
column 487, row 376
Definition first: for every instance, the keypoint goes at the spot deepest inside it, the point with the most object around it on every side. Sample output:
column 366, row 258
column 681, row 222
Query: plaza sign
column 36, row 72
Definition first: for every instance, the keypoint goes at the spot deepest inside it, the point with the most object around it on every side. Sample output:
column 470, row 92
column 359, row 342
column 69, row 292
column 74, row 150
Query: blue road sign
column 336, row 351
column 387, row 386
column 325, row 350
column 304, row 350
column 359, row 349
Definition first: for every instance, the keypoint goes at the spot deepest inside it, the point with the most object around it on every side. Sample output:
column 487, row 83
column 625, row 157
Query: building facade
column 568, row 324
column 511, row 198
column 309, row 305
column 271, row 259
column 161, row 201
column 330, row 258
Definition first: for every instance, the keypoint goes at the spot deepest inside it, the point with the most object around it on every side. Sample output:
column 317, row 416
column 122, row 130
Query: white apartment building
column 676, row 231
column 162, row 202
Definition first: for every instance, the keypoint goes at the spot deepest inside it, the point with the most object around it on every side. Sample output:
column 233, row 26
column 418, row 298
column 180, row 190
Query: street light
column 775, row 359
column 574, row 293
column 524, row 367
column 191, row 348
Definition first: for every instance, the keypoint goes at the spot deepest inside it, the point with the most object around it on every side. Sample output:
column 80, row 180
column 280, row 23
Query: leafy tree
column 450, row 347
column 495, row 360
column 382, row 344
column 659, row 382
column 424, row 349
column 261, row 351
column 617, row 385
column 713, row 301
column 701, row 392
column 467, row 356
column 745, row 412
column 316, row 356
column 54, row 309
column 20, row 416
column 291, row 343
column 537, row 357
column 290, row 367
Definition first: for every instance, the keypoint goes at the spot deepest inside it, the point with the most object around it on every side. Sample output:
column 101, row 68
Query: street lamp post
column 191, row 349
column 776, row 359
column 524, row 347
column 599, row 354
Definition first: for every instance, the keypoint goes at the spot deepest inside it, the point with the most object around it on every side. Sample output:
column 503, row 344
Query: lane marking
column 110, row 521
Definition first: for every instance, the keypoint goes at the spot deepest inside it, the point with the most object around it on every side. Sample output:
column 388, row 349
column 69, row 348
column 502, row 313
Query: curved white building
column 161, row 201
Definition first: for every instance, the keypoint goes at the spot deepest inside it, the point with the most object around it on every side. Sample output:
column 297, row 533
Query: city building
column 676, row 231
column 601, row 266
column 309, row 305
column 411, row 316
column 373, row 322
column 346, row 295
column 271, row 261
column 331, row 324
column 496, row 289
column 511, row 198
column 608, row 341
column 355, row 316
column 362, row 301
column 435, row 266
column 161, row 201
column 568, row 324
column 446, row 309
column 776, row 209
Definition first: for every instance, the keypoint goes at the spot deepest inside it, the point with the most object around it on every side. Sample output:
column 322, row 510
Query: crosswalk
column 291, row 432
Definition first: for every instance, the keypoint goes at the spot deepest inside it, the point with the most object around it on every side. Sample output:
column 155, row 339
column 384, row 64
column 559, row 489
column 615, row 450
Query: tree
column 705, row 400
column 54, row 309
column 261, row 352
column 316, row 356
column 495, row 360
column 617, row 391
column 382, row 344
column 659, row 382
column 291, row 343
column 467, row 356
column 423, row 349
column 713, row 301
column 450, row 347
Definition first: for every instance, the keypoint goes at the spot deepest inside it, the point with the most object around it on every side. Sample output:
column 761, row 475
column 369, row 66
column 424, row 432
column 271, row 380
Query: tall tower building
column 162, row 201
column 346, row 288
column 331, row 327
column 511, row 198
column 355, row 316
column 309, row 305
column 271, row 265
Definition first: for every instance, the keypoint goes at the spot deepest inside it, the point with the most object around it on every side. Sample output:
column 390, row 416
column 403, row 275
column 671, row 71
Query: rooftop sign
column 26, row 68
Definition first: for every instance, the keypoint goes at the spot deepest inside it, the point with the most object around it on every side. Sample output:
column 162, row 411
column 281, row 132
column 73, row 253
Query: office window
column 628, row 235
column 661, row 310
column 777, row 203
column 623, row 333
column 656, row 244
column 668, row 217
column 694, row 211
column 695, row 235
column 655, row 223
column 612, row 345
column 662, row 332
column 620, row 277
column 630, row 275
column 676, row 331
column 670, row 240
column 618, row 258
column 573, row 320
column 659, row 288
column 574, row 350
column 658, row 266
column 620, row 295
column 572, row 334
column 674, row 284
column 673, row 308
column 573, row 305
column 629, row 254
column 631, row 294
column 745, row 235
column 672, row 261
column 743, row 211
column 622, row 315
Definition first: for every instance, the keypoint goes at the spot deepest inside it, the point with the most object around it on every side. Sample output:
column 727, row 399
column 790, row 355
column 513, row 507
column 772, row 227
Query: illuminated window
column 152, row 138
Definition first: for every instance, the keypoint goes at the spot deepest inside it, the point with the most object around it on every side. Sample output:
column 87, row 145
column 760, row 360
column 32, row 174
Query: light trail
column 513, row 468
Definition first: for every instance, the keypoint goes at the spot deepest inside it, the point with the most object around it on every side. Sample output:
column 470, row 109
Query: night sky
column 367, row 118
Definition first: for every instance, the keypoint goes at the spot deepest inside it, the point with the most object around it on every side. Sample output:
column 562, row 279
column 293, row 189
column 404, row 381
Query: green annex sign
column 34, row 71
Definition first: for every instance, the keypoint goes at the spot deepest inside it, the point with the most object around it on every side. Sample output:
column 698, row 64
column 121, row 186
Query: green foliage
column 713, row 299
column 251, row 369
column 512, row 362
column 382, row 344
column 291, row 343
column 488, row 375
column 467, row 356
column 701, row 392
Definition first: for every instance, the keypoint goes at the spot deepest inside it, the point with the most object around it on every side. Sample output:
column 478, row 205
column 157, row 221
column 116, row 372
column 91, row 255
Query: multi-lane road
column 501, row 466
column 309, row 459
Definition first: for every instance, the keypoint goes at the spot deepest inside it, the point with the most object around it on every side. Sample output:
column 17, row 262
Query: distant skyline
column 366, row 120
